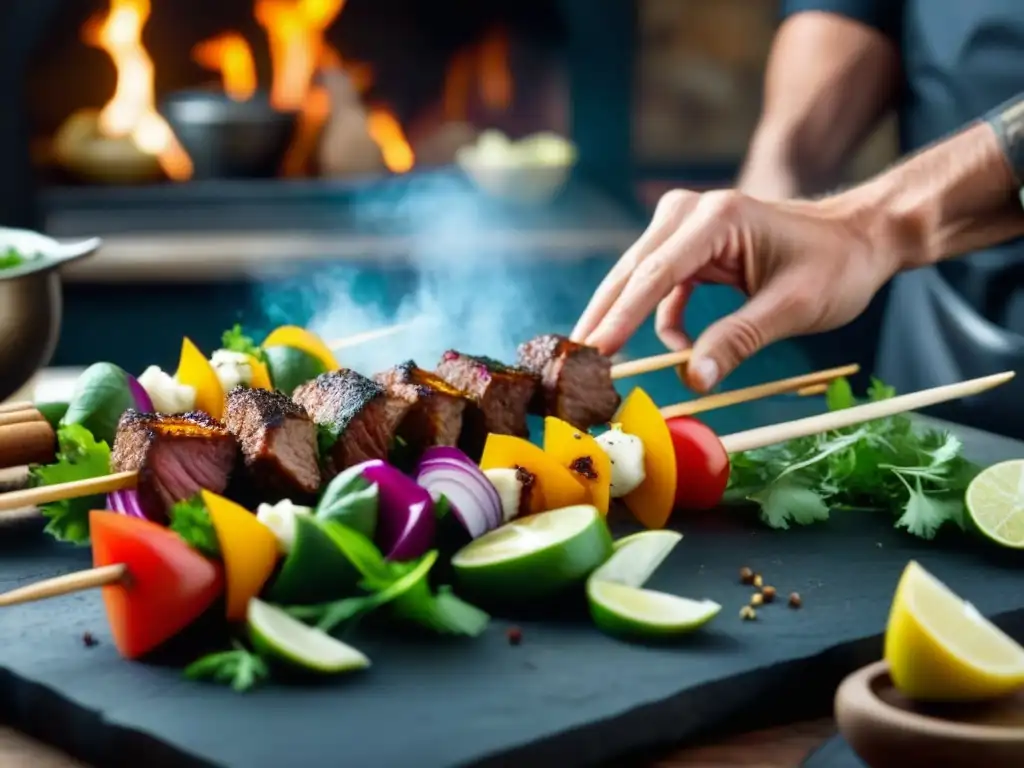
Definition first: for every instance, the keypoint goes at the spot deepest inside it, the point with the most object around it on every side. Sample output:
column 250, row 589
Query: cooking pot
column 31, row 303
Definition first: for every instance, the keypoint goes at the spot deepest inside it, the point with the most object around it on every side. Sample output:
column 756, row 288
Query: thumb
column 728, row 342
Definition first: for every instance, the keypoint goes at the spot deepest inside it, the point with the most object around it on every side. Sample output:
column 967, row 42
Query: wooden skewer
column 66, row 584
column 20, row 417
column 362, row 338
column 649, row 364
column 814, row 389
column 746, row 394
column 848, row 417
column 46, row 494
column 18, row 405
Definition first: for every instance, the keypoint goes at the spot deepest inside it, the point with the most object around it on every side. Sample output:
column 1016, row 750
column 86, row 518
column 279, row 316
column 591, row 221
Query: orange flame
column 230, row 55
column 131, row 111
column 486, row 63
column 387, row 133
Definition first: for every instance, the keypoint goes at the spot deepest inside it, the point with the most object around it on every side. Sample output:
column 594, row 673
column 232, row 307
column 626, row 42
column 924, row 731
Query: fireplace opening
column 117, row 88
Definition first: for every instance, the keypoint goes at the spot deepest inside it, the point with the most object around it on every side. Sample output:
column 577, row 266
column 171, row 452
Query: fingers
column 667, row 216
column 668, row 319
column 690, row 247
column 776, row 312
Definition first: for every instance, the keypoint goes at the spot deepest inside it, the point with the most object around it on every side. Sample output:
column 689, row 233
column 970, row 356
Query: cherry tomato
column 169, row 584
column 702, row 465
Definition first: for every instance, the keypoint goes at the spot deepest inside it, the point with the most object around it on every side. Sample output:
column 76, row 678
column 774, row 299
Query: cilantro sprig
column 239, row 668
column 191, row 521
column 80, row 456
column 236, row 340
column 890, row 464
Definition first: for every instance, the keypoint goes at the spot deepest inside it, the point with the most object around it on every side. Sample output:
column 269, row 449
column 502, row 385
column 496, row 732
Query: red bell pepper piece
column 168, row 586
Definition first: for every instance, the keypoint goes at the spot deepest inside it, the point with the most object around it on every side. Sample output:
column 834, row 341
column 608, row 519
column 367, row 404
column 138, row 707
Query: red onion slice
column 474, row 499
column 126, row 502
column 143, row 403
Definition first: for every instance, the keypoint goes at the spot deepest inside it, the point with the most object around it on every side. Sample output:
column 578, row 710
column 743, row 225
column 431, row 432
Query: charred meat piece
column 175, row 456
column 575, row 380
column 435, row 406
column 356, row 411
column 278, row 442
column 501, row 392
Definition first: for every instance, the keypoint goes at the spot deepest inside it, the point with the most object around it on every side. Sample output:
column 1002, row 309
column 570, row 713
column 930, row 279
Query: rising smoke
column 456, row 296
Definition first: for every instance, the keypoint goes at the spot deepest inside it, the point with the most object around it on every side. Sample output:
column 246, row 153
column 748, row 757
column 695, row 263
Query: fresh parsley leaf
column 191, row 521
column 235, row 340
column 239, row 668
column 326, row 437
column 839, row 395
column 11, row 258
column 890, row 464
column 79, row 457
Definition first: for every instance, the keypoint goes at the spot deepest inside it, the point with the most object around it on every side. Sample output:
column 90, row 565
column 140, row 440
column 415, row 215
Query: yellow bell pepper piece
column 577, row 451
column 652, row 502
column 249, row 550
column 300, row 338
column 554, row 487
column 195, row 371
column 260, row 374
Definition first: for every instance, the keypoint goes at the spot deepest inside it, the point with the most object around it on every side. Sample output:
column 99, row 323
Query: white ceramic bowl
column 510, row 171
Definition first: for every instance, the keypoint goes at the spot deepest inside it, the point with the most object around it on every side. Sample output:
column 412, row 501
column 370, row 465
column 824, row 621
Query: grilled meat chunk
column 501, row 392
column 357, row 411
column 435, row 406
column 278, row 442
column 575, row 380
column 175, row 456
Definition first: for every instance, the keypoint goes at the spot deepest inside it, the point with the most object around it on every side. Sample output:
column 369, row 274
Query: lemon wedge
column 940, row 648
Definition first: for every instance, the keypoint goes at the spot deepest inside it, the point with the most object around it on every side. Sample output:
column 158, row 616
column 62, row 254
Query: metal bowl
column 228, row 139
column 31, row 304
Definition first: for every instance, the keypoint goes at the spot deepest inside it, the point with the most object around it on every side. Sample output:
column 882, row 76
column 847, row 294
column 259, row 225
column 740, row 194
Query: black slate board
column 834, row 753
column 567, row 696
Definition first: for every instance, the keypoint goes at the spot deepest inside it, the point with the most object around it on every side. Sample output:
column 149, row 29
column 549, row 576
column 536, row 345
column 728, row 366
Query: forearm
column 827, row 82
column 952, row 198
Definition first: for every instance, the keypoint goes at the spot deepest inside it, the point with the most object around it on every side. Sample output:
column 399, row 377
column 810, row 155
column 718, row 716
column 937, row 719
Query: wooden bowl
column 887, row 730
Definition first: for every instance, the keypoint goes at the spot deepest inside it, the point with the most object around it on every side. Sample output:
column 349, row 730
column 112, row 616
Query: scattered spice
column 527, row 480
column 794, row 600
column 747, row 613
column 514, row 635
column 768, row 593
column 584, row 466
column 756, row 599
column 577, row 436
column 758, row 581
column 746, row 575
column 89, row 640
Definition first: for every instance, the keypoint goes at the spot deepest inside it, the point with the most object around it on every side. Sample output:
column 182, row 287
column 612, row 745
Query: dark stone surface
column 834, row 753
column 567, row 695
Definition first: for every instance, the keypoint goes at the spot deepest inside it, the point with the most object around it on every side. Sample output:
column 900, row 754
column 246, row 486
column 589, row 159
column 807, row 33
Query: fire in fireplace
column 132, row 90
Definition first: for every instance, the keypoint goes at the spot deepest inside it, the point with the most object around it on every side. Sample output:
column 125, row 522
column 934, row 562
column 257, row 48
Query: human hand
column 805, row 266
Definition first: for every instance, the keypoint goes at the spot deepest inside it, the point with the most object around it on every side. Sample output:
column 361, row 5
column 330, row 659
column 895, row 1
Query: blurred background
column 353, row 163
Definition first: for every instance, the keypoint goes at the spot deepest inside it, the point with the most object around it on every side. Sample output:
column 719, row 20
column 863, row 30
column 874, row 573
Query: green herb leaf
column 79, row 457
column 235, row 340
column 11, row 258
column 352, row 500
column 191, row 521
column 839, row 395
column 326, row 437
column 101, row 397
column 239, row 668
column 890, row 464
column 786, row 501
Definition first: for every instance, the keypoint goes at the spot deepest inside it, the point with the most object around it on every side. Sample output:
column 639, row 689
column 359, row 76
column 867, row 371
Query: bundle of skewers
column 271, row 473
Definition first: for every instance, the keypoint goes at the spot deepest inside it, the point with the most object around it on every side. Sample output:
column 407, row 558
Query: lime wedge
column 939, row 648
column 622, row 610
column 636, row 557
column 535, row 556
column 276, row 635
column 995, row 502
